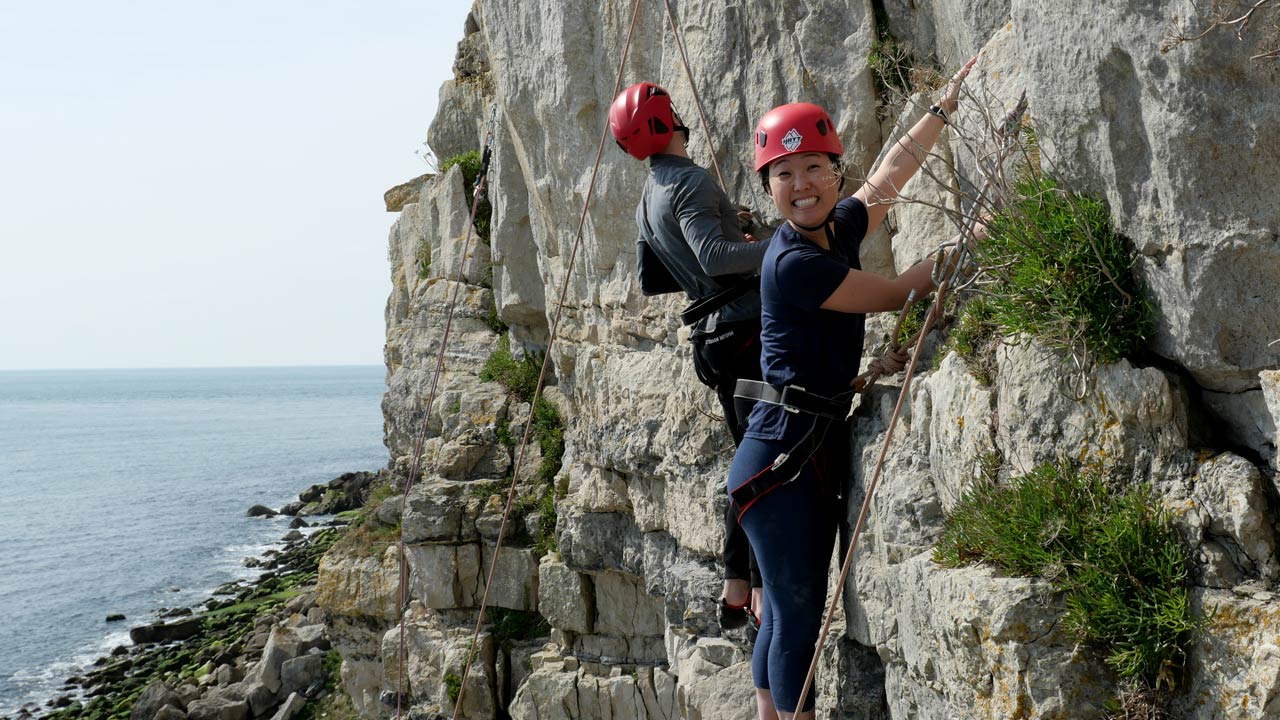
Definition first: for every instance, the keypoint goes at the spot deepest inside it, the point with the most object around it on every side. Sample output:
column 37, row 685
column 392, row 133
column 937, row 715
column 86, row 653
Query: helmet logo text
column 791, row 140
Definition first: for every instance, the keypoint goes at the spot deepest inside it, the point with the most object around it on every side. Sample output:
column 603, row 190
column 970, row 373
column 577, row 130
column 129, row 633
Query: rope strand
column 1007, row 137
column 542, row 374
column 415, row 464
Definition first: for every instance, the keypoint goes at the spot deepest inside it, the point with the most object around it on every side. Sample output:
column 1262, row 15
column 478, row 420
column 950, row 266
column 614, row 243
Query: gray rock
column 169, row 712
column 565, row 597
column 283, row 644
column 260, row 511
column 289, row 707
column 261, row 698
column 298, row 674
column 1158, row 135
column 407, row 192
column 215, row 707
column 155, row 696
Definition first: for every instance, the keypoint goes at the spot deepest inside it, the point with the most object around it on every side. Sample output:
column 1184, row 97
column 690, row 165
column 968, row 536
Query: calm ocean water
column 124, row 491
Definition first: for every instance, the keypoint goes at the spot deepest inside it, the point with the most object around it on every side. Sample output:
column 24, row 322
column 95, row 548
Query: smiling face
column 805, row 187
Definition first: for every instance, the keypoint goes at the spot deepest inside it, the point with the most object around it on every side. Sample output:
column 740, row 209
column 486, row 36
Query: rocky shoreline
column 255, row 648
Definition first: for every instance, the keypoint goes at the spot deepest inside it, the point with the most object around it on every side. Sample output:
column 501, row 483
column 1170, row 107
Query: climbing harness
column 1007, row 134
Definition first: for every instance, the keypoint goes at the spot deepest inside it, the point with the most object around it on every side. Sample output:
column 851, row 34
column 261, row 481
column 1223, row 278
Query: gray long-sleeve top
column 690, row 223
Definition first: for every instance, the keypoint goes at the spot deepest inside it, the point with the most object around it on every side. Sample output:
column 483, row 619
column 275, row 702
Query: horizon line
column 194, row 367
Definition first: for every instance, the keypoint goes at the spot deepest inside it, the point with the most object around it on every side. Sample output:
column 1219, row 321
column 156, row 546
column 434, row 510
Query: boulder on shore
column 165, row 632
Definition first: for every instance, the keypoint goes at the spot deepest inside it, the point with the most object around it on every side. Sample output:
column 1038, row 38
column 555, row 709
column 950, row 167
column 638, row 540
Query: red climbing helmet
column 641, row 120
column 795, row 128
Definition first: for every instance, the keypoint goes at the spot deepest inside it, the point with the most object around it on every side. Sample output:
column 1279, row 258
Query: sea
column 124, row 491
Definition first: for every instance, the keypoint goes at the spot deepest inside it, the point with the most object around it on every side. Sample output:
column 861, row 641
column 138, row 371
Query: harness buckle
column 782, row 458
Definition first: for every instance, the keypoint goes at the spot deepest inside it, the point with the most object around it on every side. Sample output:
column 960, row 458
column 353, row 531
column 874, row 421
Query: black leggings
column 720, row 359
column 793, row 531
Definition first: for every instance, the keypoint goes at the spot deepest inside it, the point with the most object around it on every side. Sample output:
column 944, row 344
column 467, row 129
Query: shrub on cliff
column 518, row 375
column 1116, row 555
column 470, row 163
column 1062, row 274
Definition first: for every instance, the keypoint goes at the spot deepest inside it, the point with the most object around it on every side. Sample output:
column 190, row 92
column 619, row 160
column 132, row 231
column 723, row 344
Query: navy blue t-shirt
column 802, row 344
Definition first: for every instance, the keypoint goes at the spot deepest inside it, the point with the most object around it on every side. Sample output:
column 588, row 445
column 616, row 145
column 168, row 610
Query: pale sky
column 192, row 184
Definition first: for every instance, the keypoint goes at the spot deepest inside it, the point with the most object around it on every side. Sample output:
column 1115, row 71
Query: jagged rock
column 451, row 576
column 434, row 655
column 1148, row 132
column 217, row 707
column 645, row 456
column 947, row 30
column 553, row 694
column 1233, row 665
column 407, row 192
column 1270, row 380
column 360, row 586
column 283, row 644
column 599, row 541
column 1226, row 505
column 970, row 644
column 624, row 609
column 565, row 598
column 1243, row 420
column 723, row 695
column 1130, row 422
column 289, row 707
column 169, row 712
column 261, row 698
column 298, row 674
column 155, row 696
column 441, row 510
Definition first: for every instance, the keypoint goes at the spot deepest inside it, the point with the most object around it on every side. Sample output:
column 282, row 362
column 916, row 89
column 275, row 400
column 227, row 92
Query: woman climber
column 789, row 468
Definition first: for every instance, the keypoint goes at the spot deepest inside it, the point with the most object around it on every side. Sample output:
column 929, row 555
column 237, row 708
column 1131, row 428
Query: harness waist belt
column 703, row 307
column 794, row 398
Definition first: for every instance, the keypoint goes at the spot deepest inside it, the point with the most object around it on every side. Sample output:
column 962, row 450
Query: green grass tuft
column 1117, row 556
column 470, row 162
column 518, row 376
column 510, row 626
column 1062, row 274
column 974, row 337
column 452, row 686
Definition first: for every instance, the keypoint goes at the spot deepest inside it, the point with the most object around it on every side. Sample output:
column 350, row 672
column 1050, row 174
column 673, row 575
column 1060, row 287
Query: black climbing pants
column 722, row 358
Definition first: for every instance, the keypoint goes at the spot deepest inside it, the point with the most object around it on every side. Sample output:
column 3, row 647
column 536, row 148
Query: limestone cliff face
column 1183, row 147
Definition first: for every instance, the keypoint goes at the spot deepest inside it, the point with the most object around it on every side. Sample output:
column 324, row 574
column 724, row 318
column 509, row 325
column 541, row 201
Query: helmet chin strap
column 825, row 225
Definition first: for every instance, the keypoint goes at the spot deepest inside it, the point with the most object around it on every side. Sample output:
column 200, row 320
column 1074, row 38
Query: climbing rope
column 415, row 462
column 542, row 374
column 1008, row 136
column 693, row 87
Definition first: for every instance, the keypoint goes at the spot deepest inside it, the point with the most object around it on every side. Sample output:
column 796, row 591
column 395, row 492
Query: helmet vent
column 822, row 127
column 761, row 139
column 657, row 127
